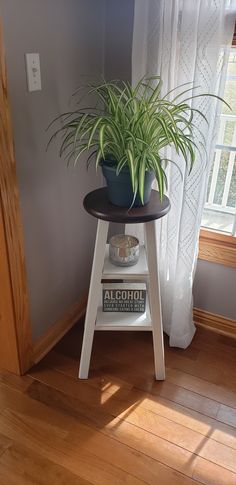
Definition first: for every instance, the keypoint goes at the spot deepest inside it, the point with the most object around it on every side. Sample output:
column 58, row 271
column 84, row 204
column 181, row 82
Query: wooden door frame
column 17, row 325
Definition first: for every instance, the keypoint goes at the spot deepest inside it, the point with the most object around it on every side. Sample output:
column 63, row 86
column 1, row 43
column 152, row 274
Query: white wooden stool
column 96, row 203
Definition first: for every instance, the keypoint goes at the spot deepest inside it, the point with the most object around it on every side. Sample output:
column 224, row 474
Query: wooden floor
column 121, row 426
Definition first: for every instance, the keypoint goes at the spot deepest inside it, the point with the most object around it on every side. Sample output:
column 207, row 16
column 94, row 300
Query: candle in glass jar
column 124, row 250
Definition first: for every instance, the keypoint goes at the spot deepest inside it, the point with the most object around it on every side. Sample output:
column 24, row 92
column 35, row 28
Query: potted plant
column 126, row 132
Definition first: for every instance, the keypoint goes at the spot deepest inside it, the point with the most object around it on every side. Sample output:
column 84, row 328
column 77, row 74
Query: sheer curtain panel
column 183, row 41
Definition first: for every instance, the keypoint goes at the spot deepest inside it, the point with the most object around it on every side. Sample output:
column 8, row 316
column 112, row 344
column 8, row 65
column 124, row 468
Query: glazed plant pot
column 120, row 190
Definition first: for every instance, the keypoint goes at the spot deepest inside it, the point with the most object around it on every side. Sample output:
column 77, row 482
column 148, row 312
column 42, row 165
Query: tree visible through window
column 220, row 208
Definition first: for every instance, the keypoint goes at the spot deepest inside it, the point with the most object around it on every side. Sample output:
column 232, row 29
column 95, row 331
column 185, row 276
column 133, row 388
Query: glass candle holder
column 124, row 250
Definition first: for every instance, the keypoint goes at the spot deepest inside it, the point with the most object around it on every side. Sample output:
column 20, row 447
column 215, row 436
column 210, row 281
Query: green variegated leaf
column 132, row 125
column 141, row 175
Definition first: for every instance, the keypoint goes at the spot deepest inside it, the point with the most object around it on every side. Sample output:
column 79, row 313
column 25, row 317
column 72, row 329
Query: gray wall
column 58, row 234
column 215, row 289
column 118, row 38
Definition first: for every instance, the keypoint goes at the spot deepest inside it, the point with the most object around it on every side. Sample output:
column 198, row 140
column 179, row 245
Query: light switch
column 33, row 72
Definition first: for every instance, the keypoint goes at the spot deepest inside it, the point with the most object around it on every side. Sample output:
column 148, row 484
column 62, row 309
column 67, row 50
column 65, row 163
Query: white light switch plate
column 33, row 72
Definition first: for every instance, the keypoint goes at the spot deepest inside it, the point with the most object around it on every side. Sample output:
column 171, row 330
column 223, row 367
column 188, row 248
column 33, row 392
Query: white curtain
column 183, row 41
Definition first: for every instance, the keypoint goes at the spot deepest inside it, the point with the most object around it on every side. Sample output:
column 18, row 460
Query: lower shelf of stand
column 123, row 321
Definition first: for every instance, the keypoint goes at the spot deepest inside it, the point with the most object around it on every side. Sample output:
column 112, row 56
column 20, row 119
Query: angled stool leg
column 93, row 298
column 155, row 300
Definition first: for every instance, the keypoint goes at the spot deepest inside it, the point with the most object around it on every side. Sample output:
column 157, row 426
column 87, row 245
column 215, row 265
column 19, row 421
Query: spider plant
column 130, row 127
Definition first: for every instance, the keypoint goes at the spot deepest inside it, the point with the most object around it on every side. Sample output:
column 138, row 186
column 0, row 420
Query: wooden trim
column 217, row 248
column 217, row 323
column 59, row 329
column 9, row 201
column 221, row 237
column 9, row 358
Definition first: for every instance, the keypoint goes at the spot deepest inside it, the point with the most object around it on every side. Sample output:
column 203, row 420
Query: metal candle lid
column 124, row 250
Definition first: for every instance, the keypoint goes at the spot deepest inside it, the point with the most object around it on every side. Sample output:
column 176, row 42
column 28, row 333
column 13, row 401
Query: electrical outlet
column 33, row 72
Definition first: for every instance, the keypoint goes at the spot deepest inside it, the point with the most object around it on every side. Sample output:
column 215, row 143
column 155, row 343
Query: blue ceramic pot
column 120, row 190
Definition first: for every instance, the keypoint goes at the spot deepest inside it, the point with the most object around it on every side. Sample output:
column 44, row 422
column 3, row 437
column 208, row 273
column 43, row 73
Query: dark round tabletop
column 97, row 204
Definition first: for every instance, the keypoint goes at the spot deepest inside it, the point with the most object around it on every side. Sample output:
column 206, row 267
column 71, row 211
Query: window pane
column 232, row 63
column 220, row 209
column 218, row 221
column 229, row 131
column 232, row 192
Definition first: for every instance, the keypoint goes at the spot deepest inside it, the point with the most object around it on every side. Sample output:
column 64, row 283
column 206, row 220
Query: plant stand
column 96, row 203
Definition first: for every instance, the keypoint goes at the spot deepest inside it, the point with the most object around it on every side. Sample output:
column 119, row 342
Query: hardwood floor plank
column 135, row 438
column 146, row 442
column 190, row 392
column 203, row 387
column 14, row 381
column 108, row 425
column 5, row 443
column 132, row 412
column 106, row 354
column 22, row 466
column 156, row 404
column 218, row 371
column 207, row 472
column 169, row 390
column 212, row 345
column 73, row 458
column 227, row 414
column 162, row 400
column 84, row 450
column 116, row 355
column 122, row 426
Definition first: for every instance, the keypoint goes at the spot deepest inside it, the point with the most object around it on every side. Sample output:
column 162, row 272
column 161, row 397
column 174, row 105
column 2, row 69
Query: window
column 218, row 234
column 220, row 208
